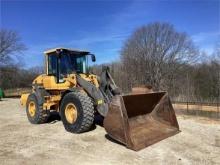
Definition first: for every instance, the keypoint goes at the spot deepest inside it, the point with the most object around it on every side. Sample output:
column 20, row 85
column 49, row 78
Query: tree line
column 155, row 55
column 158, row 55
column 12, row 74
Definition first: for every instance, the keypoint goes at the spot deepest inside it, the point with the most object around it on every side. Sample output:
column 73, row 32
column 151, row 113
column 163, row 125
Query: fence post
column 218, row 115
column 187, row 105
column 187, row 93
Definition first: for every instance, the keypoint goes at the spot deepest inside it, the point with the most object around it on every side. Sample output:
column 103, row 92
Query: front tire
column 77, row 112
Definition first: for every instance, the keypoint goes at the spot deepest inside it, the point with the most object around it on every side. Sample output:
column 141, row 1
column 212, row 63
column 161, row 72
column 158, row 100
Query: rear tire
column 84, row 118
column 34, row 110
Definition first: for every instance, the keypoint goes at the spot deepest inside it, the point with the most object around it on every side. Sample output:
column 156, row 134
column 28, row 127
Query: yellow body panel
column 24, row 98
column 49, row 82
column 51, row 101
column 91, row 78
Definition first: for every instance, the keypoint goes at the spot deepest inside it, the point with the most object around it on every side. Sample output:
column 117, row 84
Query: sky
column 102, row 26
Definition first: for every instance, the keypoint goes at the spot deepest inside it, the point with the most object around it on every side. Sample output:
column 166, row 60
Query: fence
column 198, row 108
column 208, row 109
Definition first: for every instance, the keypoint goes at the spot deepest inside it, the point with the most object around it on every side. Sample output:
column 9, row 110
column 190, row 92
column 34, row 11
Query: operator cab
column 62, row 62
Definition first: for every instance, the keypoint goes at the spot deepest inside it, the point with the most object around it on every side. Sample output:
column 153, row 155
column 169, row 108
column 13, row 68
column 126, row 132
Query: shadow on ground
column 113, row 140
column 99, row 121
column 55, row 117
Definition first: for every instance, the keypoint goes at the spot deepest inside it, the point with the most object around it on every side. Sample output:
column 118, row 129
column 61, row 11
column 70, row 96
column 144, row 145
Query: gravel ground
column 24, row 143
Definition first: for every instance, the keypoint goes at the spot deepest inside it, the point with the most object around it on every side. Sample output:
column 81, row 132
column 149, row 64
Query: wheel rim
column 71, row 113
column 32, row 109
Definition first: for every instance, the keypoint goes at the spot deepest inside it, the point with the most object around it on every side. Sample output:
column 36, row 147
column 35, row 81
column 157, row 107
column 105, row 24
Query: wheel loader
column 136, row 120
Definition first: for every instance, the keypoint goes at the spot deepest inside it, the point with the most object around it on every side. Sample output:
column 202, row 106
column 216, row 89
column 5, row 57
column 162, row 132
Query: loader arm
column 107, row 84
column 103, row 95
column 94, row 92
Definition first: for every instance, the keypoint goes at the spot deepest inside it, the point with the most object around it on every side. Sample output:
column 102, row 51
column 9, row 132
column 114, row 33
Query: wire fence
column 207, row 109
column 200, row 108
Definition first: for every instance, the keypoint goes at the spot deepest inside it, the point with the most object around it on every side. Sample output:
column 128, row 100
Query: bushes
column 12, row 76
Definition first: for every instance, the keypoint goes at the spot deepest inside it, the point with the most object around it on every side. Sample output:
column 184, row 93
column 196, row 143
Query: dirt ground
column 24, row 143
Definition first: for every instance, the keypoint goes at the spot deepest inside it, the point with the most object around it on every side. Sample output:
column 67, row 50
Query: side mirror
column 93, row 57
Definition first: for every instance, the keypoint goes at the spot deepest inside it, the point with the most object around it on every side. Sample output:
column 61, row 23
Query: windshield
column 72, row 63
column 67, row 64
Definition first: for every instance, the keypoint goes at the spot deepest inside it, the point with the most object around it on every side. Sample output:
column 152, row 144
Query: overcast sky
column 101, row 26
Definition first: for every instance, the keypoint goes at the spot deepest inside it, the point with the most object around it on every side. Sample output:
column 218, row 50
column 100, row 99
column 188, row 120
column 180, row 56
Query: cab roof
column 72, row 51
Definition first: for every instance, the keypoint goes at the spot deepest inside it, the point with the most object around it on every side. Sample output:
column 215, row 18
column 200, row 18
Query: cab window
column 52, row 65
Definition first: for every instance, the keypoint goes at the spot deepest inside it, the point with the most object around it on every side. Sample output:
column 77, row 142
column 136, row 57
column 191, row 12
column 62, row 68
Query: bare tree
column 10, row 44
column 216, row 53
column 154, row 52
column 12, row 76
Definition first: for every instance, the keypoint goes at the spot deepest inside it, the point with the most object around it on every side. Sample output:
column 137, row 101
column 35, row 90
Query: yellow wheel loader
column 137, row 120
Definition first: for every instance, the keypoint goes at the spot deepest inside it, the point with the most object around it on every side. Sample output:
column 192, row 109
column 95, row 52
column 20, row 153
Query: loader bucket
column 139, row 120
